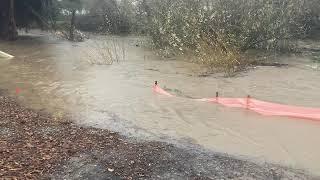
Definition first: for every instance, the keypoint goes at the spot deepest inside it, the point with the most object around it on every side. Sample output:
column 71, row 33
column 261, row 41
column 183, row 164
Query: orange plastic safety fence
column 261, row 107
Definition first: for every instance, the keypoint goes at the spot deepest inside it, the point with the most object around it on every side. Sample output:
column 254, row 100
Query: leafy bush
column 225, row 28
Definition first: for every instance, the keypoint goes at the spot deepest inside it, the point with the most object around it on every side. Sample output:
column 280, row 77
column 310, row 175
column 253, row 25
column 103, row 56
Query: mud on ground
column 33, row 146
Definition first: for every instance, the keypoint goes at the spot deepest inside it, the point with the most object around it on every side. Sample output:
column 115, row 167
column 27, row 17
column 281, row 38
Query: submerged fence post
column 248, row 101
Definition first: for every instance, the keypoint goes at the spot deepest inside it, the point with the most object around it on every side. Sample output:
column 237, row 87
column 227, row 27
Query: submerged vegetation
column 105, row 52
column 211, row 32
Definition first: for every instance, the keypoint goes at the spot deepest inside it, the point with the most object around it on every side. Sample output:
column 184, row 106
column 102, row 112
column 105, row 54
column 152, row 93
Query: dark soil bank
column 33, row 146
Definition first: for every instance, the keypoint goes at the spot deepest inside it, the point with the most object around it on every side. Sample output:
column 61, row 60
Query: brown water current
column 59, row 76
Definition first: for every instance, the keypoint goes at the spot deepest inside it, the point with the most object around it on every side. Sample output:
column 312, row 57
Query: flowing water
column 55, row 75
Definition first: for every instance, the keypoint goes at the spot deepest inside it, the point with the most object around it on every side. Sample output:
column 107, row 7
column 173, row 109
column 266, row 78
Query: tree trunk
column 72, row 28
column 147, row 10
column 8, row 28
column 12, row 32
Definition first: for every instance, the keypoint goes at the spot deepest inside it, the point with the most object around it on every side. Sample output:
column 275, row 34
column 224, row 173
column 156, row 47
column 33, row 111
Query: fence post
column 248, row 101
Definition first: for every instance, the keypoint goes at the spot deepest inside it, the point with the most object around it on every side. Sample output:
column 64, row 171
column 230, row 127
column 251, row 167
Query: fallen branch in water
column 5, row 55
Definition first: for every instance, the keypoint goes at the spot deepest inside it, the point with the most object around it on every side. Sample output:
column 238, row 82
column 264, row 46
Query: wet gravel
column 34, row 146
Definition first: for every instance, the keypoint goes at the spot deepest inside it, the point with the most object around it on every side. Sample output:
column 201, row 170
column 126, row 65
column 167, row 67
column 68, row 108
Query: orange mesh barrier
column 261, row 107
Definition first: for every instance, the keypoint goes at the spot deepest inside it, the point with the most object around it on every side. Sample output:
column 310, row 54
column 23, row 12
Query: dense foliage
column 243, row 24
column 215, row 32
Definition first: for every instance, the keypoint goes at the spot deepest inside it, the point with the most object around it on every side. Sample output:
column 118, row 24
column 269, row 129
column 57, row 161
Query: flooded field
column 59, row 77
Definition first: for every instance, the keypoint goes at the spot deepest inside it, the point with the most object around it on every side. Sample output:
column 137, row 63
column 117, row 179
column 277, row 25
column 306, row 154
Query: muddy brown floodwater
column 55, row 75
